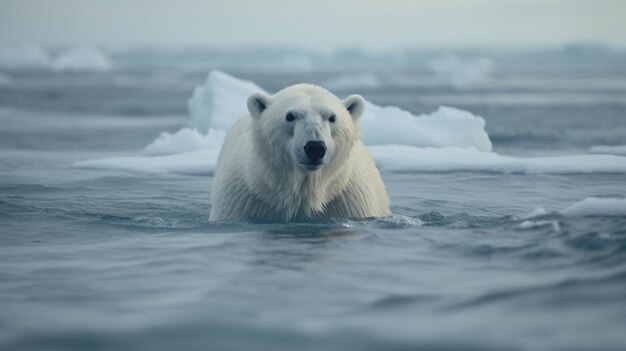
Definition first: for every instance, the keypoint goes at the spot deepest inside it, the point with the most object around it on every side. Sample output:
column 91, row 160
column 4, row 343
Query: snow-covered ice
column 222, row 99
column 219, row 102
column 446, row 127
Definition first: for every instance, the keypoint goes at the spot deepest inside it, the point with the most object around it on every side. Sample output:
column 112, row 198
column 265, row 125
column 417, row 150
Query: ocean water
column 470, row 260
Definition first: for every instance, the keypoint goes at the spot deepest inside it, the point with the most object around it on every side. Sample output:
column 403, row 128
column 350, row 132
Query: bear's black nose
column 315, row 150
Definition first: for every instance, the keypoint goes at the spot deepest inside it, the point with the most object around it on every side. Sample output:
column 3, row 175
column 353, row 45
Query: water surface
column 108, row 260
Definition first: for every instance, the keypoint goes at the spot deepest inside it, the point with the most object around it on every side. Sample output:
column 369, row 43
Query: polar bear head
column 305, row 126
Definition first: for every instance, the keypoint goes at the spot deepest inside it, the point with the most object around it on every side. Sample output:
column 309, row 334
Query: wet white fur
column 258, row 174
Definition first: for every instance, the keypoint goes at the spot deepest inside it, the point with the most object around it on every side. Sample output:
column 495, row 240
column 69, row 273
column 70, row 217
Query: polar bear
column 297, row 156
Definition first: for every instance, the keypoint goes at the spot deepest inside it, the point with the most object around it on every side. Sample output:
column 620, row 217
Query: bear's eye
column 290, row 117
column 332, row 119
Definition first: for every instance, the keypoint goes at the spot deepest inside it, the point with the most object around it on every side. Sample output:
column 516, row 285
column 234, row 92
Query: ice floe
column 447, row 140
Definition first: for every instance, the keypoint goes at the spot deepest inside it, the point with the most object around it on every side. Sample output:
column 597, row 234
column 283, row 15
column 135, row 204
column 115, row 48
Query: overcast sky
column 314, row 24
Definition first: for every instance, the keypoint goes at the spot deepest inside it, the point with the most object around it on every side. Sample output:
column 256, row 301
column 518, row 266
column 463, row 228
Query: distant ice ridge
column 24, row 57
column 347, row 81
column 76, row 59
column 608, row 150
column 447, row 140
column 462, row 71
column 82, row 59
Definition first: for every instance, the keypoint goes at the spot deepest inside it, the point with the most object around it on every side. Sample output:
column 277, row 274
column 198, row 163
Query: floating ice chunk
column 593, row 206
column 82, row 59
column 24, row 57
column 462, row 71
column 350, row 81
column 446, row 127
column 219, row 102
column 190, row 163
column 222, row 100
column 402, row 158
column 609, row 150
column 185, row 140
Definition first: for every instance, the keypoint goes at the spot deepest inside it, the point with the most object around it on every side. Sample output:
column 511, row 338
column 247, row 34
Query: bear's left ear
column 257, row 103
column 355, row 104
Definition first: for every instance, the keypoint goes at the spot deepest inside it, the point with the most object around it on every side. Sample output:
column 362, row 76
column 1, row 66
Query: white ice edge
column 447, row 140
column 402, row 158
column 608, row 149
column 388, row 158
column 201, row 162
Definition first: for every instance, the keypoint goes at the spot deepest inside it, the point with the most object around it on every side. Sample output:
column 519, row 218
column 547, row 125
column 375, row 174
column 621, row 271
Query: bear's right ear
column 355, row 104
column 257, row 103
